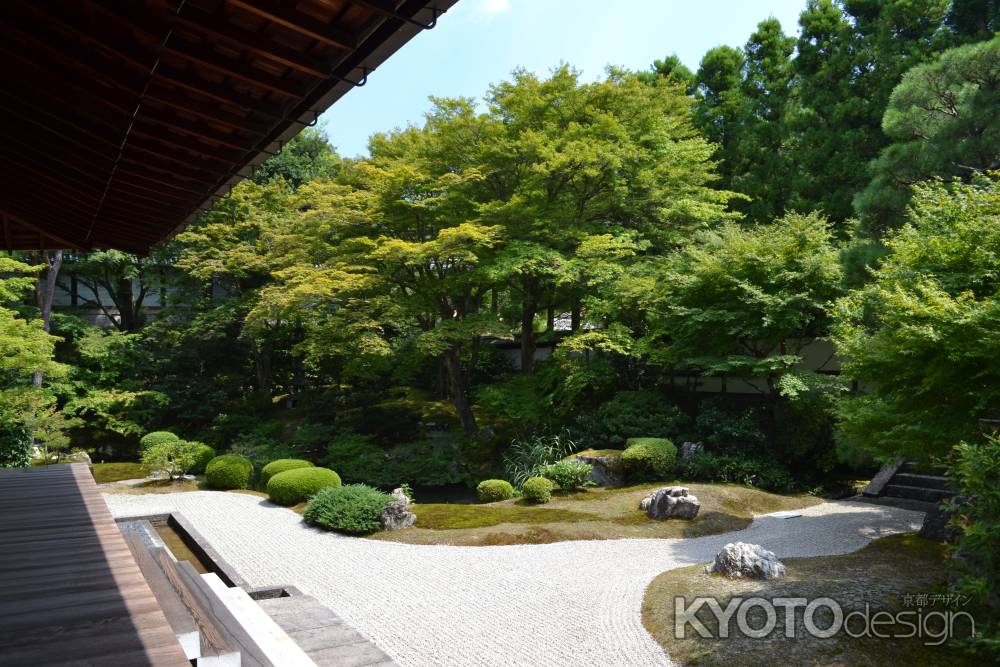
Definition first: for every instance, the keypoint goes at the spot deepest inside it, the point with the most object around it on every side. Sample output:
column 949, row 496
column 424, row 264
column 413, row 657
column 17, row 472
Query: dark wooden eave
column 124, row 119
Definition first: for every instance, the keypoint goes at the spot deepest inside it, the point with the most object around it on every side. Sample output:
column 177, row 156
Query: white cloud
column 493, row 7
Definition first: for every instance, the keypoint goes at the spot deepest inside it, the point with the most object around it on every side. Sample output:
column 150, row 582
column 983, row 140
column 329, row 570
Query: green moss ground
column 591, row 514
column 116, row 472
column 880, row 574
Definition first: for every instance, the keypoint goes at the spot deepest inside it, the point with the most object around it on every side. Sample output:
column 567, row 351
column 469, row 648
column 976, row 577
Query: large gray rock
column 689, row 449
column 751, row 561
column 670, row 502
column 79, row 456
column 604, row 470
column 396, row 514
column 937, row 523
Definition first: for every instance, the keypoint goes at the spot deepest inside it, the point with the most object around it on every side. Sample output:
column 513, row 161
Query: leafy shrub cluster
column 203, row 454
column 975, row 472
column 433, row 462
column 710, row 467
column 175, row 457
column 569, row 475
column 156, row 438
column 279, row 466
column 537, row 490
column 722, row 429
column 297, row 484
column 494, row 490
column 354, row 508
column 229, row 471
column 527, row 456
column 631, row 412
column 649, row 458
column 15, row 446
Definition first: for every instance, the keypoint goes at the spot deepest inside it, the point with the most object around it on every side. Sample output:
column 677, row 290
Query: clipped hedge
column 494, row 490
column 537, row 490
column 229, row 471
column 354, row 508
column 281, row 465
column 648, row 458
column 298, row 484
column 569, row 475
column 156, row 438
column 203, row 455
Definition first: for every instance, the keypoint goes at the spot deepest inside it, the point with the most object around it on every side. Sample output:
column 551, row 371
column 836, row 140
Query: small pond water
column 177, row 547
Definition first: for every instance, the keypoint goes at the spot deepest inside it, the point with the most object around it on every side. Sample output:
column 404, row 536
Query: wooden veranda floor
column 70, row 590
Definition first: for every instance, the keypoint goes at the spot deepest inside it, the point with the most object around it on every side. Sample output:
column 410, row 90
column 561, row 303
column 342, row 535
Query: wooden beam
column 298, row 22
column 24, row 223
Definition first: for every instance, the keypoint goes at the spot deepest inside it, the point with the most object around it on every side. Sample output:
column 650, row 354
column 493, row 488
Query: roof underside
column 124, row 119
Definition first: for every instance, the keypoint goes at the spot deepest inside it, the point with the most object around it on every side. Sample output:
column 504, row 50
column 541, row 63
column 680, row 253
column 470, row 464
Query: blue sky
column 479, row 42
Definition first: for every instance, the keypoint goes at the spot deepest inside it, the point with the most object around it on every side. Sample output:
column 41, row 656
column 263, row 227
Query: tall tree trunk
column 459, row 389
column 262, row 367
column 550, row 322
column 574, row 316
column 45, row 297
column 529, row 307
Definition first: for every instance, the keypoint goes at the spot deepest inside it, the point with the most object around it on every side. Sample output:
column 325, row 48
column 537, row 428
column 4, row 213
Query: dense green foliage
column 156, row 438
column 649, row 458
column 281, row 465
column 229, row 471
column 526, row 456
column 732, row 469
column 173, row 456
column 203, row 455
column 354, row 508
column 922, row 337
column 975, row 472
column 494, row 490
column 537, row 490
column 295, row 485
column 569, row 475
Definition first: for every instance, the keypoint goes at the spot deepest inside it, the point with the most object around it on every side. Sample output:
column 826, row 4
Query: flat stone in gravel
column 536, row 605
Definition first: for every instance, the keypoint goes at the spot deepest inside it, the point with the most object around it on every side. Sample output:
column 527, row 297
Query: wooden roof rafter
column 142, row 112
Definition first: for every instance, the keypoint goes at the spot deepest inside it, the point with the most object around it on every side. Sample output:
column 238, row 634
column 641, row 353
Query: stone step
column 916, row 493
column 922, row 481
column 272, row 640
column 923, row 469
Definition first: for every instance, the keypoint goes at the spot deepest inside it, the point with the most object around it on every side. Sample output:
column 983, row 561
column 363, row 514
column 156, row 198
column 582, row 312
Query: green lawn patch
column 589, row 514
column 116, row 472
column 879, row 574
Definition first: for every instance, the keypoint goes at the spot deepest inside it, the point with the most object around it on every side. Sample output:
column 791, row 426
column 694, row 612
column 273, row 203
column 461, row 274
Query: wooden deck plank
column 70, row 590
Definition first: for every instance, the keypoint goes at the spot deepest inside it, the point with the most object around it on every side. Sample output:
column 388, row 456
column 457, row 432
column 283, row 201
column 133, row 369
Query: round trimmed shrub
column 569, row 475
column 281, row 465
column 156, row 438
column 354, row 508
column 203, row 454
column 229, row 471
column 537, row 490
column 298, row 484
column 649, row 458
column 494, row 490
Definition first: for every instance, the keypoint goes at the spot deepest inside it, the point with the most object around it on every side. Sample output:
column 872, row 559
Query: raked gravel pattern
column 568, row 603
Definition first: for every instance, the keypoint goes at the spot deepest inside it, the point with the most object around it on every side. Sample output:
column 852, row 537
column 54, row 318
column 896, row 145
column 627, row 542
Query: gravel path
column 568, row 603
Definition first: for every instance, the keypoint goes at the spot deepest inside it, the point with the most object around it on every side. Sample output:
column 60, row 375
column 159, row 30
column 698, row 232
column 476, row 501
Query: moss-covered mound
column 229, row 471
column 281, row 465
column 299, row 484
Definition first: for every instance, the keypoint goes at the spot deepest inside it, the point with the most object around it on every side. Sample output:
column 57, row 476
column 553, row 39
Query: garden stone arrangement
column 397, row 514
column 503, row 605
column 750, row 561
column 670, row 502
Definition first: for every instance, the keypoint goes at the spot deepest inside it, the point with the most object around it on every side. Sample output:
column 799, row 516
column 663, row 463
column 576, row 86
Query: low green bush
column 281, row 465
column 156, row 438
column 203, row 454
column 295, row 485
column 494, row 490
column 974, row 470
column 175, row 457
column 354, row 508
column 709, row 467
column 537, row 490
column 229, row 471
column 569, row 475
column 648, row 458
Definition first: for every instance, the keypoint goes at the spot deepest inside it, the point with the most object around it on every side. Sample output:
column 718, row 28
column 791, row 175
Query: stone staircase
column 905, row 481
